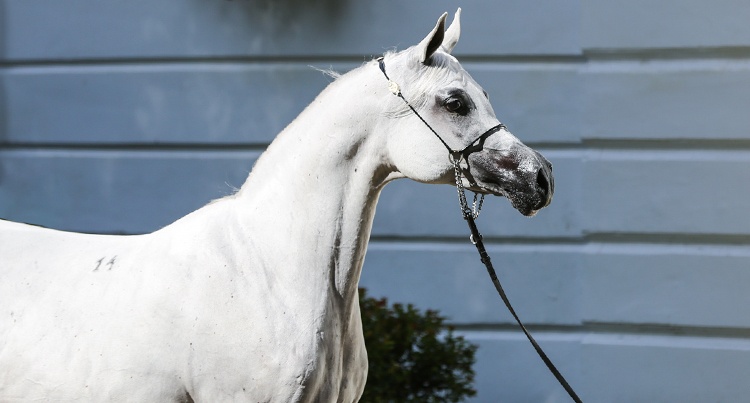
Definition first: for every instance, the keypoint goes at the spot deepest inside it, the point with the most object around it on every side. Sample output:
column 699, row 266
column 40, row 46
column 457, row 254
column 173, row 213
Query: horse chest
column 300, row 346
column 311, row 376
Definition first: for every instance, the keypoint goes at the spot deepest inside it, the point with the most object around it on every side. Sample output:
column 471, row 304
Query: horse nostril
column 542, row 181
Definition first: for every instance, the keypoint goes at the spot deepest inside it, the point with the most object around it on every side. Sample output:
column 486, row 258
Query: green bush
column 413, row 356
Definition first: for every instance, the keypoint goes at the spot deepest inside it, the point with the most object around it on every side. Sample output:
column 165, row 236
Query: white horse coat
column 254, row 296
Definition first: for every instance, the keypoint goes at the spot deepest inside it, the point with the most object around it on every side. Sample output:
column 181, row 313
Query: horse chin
column 524, row 207
column 523, row 203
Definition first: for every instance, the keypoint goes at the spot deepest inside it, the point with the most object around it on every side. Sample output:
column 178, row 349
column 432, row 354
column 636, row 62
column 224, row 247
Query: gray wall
column 120, row 117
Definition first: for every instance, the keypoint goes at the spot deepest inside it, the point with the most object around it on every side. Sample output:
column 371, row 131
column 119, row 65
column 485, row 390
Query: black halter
column 470, row 214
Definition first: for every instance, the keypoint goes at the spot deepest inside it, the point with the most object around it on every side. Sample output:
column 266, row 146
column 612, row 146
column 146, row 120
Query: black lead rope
column 476, row 238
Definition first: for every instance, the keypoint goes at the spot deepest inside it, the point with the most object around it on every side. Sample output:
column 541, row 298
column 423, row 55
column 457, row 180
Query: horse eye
column 453, row 105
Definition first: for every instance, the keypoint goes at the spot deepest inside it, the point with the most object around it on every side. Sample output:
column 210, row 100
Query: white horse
column 254, row 296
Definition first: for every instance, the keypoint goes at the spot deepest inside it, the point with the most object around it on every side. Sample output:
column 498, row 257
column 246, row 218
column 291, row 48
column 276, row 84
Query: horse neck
column 318, row 183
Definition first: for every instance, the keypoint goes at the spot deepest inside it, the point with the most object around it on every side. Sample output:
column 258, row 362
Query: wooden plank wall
column 120, row 117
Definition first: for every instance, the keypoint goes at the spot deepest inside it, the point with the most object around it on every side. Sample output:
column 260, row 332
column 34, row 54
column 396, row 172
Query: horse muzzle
column 520, row 174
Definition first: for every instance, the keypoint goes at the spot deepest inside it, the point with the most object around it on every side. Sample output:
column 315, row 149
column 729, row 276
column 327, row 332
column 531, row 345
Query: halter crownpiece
column 470, row 214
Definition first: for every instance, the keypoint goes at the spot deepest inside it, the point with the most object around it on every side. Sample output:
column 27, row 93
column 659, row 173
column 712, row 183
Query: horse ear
column 433, row 41
column 452, row 33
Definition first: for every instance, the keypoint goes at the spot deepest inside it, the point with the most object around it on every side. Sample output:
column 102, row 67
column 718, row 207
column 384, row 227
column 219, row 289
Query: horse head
column 446, row 108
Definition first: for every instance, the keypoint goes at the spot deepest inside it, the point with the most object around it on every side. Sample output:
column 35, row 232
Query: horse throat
column 318, row 184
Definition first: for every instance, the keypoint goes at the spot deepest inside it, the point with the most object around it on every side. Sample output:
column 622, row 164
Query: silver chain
column 476, row 205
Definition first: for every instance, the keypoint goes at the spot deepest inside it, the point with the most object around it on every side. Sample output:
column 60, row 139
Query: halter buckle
column 394, row 88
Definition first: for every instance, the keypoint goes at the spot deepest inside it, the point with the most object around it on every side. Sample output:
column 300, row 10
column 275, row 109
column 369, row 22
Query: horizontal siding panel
column 611, row 368
column 211, row 103
column 541, row 281
column 666, row 100
column 252, row 102
column 126, row 191
column 508, row 369
column 644, row 24
column 114, row 192
column 539, row 102
column 628, row 286
column 143, row 29
column 644, row 368
column 686, row 285
column 409, row 209
column 235, row 103
column 674, row 192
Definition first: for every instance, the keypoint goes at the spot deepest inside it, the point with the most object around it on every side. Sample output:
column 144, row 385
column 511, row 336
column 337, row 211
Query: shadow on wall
column 281, row 16
column 3, row 96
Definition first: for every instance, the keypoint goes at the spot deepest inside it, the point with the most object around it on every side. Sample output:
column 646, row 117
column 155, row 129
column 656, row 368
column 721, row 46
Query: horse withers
column 254, row 296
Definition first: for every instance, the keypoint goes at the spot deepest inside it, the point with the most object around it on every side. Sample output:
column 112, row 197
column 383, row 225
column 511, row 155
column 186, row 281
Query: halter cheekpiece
column 470, row 214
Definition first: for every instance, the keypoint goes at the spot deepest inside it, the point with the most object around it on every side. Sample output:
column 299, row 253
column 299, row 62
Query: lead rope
column 470, row 214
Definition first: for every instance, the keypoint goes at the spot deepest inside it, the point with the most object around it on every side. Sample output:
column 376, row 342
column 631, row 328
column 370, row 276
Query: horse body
column 254, row 296
column 249, row 290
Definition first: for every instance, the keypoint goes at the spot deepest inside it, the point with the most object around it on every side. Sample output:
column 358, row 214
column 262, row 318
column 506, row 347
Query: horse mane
column 329, row 72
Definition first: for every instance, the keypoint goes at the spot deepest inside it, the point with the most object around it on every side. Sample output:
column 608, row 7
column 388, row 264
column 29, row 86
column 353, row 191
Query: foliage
column 413, row 356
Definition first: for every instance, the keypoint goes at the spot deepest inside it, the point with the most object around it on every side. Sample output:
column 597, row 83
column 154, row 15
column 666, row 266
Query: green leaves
column 413, row 355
